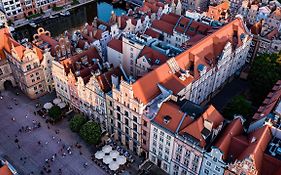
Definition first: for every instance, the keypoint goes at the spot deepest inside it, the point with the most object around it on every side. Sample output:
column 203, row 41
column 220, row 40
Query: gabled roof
column 153, row 56
column 145, row 88
column 171, row 111
column 105, row 79
column 115, row 44
column 235, row 128
column 195, row 129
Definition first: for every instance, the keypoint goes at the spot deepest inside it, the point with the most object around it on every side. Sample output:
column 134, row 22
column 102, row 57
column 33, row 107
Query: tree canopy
column 55, row 113
column 238, row 106
column 265, row 71
column 77, row 122
column 91, row 132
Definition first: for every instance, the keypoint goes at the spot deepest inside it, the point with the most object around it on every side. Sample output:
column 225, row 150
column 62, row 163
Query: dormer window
column 167, row 119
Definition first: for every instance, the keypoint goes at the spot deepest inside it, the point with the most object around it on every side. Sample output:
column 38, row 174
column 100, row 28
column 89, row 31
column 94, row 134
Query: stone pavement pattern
column 28, row 141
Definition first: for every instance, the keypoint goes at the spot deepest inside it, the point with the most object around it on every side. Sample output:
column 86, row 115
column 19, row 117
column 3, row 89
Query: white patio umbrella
column 99, row 155
column 56, row 101
column 106, row 149
column 114, row 154
column 61, row 105
column 48, row 105
column 107, row 159
column 121, row 160
column 113, row 166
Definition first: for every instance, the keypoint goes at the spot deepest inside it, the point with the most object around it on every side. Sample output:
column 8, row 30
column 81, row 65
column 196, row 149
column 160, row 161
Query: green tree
column 77, row 122
column 265, row 71
column 55, row 113
column 91, row 132
column 238, row 106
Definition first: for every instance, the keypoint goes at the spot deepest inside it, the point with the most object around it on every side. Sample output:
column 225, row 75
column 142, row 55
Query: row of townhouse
column 24, row 65
column 193, row 75
column 185, row 139
column 18, row 9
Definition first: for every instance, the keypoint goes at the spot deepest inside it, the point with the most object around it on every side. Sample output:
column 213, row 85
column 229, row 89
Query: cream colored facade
column 124, row 116
column 27, row 71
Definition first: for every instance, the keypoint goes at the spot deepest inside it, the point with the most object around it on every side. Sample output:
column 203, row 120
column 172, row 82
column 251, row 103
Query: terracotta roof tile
column 115, row 44
column 4, row 170
column 152, row 55
column 152, row 33
column 163, row 26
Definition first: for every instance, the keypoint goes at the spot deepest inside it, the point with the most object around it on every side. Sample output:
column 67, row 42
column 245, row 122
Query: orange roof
column 172, row 111
column 115, row 44
column 195, row 128
column 163, row 26
column 105, row 80
column 152, row 33
column 4, row 170
column 153, row 55
column 235, row 128
column 145, row 88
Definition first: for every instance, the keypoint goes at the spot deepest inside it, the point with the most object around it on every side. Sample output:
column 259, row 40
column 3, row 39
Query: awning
column 106, row 149
column 113, row 166
column 48, row 105
column 62, row 105
column 107, row 159
column 114, row 154
column 121, row 160
column 56, row 101
column 99, row 154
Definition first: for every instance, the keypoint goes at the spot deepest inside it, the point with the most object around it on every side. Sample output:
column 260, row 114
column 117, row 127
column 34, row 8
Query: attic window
column 167, row 119
column 181, row 25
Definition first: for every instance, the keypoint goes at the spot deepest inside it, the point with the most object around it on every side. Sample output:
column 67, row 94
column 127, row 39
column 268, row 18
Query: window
column 194, row 167
column 135, row 119
column 155, row 136
column 135, row 136
column 154, row 143
column 168, row 143
column 118, row 108
column 161, row 133
column 31, row 75
column 126, row 121
column 155, row 129
column 135, row 127
column 118, row 117
column 126, row 130
column 144, row 141
column 178, row 157
column 196, row 159
column 208, row 163
column 179, row 148
column 183, row 172
column 144, row 133
column 161, row 139
column 206, row 171
column 215, row 159
column 217, row 169
column 35, row 88
column 145, row 123
column 165, row 166
column 110, row 103
column 126, row 113
column 28, row 67
column 167, row 150
column 119, row 125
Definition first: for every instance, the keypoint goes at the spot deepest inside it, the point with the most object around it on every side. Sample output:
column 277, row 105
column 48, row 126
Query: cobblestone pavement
column 27, row 155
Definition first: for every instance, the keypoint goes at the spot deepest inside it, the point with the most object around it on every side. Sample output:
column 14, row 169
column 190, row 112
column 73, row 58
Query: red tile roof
column 195, row 128
column 152, row 55
column 172, row 110
column 4, row 170
column 235, row 128
column 145, row 88
column 152, row 33
column 163, row 26
column 116, row 45
column 105, row 80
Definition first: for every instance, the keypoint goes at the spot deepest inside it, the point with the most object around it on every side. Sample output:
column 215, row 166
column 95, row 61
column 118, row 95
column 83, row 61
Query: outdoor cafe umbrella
column 48, row 105
column 56, row 101
column 114, row 154
column 99, row 155
column 106, row 149
column 107, row 159
column 113, row 166
column 61, row 105
column 121, row 160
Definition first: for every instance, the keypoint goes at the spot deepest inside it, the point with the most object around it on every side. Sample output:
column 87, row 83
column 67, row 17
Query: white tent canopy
column 107, row 159
column 113, row 165
column 61, row 105
column 99, row 155
column 121, row 160
column 106, row 149
column 114, row 154
column 56, row 101
column 48, row 105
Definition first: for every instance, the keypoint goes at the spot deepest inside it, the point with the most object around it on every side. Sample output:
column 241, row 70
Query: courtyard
column 40, row 150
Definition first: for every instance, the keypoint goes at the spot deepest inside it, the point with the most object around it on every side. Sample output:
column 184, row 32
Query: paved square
column 31, row 155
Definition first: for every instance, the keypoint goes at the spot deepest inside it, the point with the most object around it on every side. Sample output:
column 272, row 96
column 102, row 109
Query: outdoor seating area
column 112, row 158
column 56, row 102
